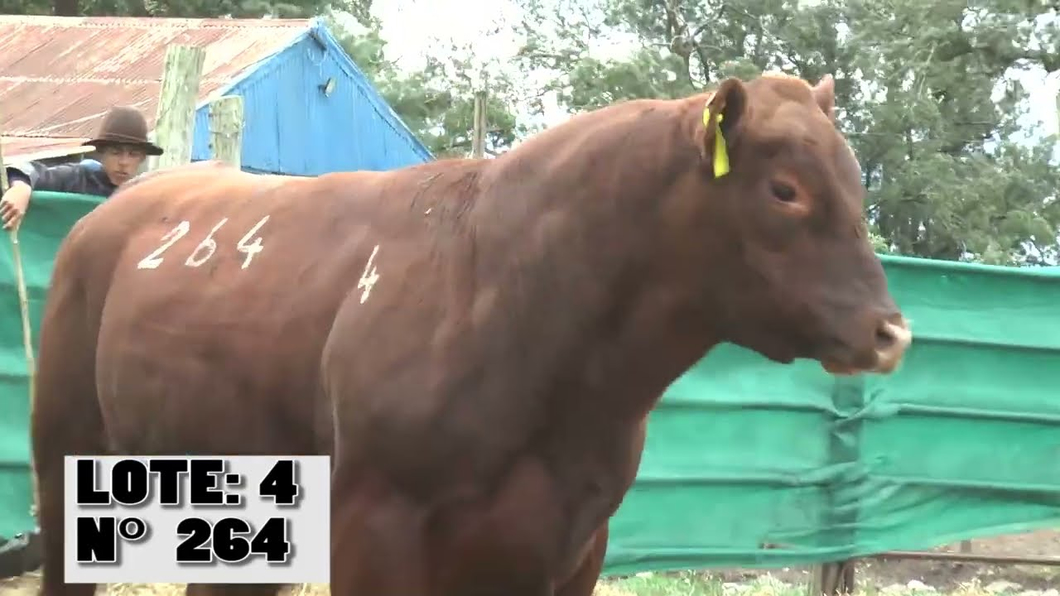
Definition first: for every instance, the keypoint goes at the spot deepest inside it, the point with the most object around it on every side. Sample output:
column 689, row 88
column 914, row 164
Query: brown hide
column 484, row 400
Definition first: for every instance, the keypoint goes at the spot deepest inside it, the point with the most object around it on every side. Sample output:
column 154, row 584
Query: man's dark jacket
column 86, row 177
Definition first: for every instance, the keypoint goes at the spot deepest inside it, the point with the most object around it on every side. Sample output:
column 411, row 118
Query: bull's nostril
column 892, row 339
column 884, row 337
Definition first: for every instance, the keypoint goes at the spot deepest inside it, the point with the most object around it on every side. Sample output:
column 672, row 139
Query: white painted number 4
column 369, row 276
column 249, row 248
column 205, row 249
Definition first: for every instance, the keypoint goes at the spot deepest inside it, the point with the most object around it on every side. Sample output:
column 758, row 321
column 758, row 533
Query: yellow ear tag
column 721, row 155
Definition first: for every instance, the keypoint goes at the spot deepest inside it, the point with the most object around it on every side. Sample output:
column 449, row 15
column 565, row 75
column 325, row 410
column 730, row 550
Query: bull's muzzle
column 892, row 340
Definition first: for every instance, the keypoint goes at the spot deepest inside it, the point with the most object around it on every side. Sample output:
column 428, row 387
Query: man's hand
column 14, row 204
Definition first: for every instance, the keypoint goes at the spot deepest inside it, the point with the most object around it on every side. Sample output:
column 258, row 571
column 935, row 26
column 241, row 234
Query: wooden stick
column 23, row 304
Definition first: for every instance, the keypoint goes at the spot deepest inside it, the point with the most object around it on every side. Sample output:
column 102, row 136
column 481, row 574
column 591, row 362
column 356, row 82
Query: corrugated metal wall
column 293, row 128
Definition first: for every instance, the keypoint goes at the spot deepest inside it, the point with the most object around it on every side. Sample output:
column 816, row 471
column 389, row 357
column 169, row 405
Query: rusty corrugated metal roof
column 42, row 147
column 59, row 75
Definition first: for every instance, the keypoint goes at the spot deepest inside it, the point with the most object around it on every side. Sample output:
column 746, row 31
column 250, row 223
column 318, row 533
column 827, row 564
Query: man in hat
column 122, row 145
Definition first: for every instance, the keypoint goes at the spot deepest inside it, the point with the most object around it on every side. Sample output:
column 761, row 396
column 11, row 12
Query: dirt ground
column 944, row 576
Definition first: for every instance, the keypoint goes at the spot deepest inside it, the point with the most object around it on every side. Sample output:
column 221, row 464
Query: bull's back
column 213, row 292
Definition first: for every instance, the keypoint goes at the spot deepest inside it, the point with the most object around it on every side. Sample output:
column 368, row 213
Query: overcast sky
column 414, row 27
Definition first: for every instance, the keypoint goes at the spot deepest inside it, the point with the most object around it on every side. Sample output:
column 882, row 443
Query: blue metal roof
column 291, row 127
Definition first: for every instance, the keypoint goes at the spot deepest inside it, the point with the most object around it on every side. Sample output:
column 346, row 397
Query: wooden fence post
column 175, row 124
column 478, row 138
column 226, row 129
column 832, row 579
column 848, row 395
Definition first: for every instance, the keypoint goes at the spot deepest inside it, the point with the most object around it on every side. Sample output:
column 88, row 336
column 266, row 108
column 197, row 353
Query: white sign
column 233, row 520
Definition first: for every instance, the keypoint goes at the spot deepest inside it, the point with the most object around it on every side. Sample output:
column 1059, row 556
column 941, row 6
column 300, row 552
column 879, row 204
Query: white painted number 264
column 206, row 248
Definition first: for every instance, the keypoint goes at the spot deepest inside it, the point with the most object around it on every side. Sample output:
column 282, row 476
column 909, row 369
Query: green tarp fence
column 46, row 224
column 963, row 442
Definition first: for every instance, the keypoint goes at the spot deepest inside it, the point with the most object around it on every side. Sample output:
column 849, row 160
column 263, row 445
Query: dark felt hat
column 126, row 126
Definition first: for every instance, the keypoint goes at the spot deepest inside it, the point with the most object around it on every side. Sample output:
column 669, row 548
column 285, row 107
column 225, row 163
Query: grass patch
column 682, row 583
column 690, row 583
column 685, row 583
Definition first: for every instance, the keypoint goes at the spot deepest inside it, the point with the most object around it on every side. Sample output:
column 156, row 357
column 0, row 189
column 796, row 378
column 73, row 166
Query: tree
column 947, row 178
column 945, row 175
column 437, row 101
column 186, row 8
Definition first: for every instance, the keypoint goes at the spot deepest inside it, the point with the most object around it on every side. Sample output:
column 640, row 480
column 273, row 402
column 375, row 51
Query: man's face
column 121, row 162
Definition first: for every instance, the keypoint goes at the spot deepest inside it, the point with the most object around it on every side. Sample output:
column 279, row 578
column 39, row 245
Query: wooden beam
column 832, row 579
column 478, row 138
column 226, row 129
column 175, row 124
column 1044, row 561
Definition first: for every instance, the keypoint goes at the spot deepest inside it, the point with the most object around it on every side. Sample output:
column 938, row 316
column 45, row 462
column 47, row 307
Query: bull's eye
column 782, row 191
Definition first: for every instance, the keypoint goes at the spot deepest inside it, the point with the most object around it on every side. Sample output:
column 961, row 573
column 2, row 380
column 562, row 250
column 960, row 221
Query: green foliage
column 437, row 101
column 915, row 85
column 925, row 91
column 944, row 177
column 186, row 8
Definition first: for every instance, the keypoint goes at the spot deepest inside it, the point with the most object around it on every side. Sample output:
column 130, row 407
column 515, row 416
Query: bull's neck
column 586, row 273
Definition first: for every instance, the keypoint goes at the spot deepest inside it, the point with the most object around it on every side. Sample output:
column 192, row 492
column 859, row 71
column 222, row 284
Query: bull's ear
column 824, row 95
column 721, row 118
